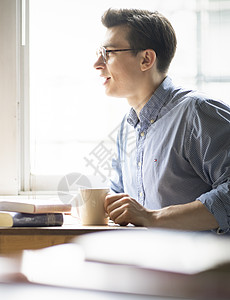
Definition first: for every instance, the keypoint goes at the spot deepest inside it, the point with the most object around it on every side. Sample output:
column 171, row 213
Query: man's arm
column 123, row 209
column 208, row 150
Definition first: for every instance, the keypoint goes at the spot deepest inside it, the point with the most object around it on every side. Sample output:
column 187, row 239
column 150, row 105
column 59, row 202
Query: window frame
column 24, row 129
column 14, row 96
column 10, row 96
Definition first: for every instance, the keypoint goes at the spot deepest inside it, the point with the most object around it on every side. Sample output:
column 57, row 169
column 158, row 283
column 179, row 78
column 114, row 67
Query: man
column 177, row 173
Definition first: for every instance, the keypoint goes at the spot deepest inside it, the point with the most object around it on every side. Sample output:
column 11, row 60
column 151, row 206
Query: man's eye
column 108, row 54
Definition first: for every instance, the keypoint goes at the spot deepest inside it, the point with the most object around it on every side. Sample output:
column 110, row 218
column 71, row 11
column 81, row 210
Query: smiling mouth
column 105, row 80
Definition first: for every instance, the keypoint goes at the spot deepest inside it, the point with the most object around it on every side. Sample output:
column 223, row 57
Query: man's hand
column 122, row 209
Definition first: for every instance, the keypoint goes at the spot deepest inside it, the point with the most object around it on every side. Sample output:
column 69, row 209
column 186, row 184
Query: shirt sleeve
column 116, row 180
column 209, row 154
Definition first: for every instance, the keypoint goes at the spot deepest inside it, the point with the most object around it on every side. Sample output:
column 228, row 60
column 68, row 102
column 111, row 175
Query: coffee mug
column 92, row 210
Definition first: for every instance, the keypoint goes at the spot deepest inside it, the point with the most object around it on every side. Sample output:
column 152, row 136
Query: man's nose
column 99, row 64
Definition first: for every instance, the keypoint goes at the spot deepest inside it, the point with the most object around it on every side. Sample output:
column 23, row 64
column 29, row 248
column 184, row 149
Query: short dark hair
column 147, row 30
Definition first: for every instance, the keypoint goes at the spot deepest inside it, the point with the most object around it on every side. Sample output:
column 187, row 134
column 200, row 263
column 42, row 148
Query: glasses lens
column 101, row 52
column 98, row 53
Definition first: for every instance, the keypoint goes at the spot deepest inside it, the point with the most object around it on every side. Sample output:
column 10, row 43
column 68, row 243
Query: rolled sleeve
column 217, row 201
column 210, row 157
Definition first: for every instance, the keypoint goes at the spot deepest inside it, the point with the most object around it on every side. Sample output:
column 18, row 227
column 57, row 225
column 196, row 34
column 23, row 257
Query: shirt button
column 140, row 194
column 142, row 134
column 152, row 121
column 139, row 164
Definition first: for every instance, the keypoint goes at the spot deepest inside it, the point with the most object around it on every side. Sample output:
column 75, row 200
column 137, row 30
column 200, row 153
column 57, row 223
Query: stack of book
column 36, row 213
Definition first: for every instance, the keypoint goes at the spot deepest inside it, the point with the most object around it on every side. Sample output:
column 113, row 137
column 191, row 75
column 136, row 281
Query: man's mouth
column 105, row 79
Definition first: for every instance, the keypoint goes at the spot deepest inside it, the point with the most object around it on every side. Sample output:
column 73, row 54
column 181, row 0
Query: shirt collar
column 149, row 112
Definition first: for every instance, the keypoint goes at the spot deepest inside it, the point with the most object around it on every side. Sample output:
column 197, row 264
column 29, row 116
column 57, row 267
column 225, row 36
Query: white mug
column 92, row 210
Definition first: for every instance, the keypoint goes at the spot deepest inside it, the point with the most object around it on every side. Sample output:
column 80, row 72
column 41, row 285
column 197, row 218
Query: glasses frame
column 102, row 51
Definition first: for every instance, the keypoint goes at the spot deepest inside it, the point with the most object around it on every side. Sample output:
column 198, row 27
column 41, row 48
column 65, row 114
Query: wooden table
column 20, row 238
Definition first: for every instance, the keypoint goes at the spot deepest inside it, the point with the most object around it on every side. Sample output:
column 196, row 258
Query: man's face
column 121, row 72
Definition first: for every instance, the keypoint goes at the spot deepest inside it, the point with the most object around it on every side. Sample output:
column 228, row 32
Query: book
column 153, row 263
column 17, row 219
column 35, row 207
column 133, row 265
column 158, row 249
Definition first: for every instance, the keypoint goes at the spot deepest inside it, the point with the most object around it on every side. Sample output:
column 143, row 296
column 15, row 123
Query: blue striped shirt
column 177, row 151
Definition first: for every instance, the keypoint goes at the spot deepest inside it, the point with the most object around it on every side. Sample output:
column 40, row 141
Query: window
column 71, row 119
column 67, row 120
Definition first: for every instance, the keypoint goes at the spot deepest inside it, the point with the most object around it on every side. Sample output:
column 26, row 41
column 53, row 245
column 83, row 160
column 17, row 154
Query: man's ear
column 148, row 59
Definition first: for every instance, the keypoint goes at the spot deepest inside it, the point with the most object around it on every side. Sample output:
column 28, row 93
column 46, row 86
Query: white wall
column 8, row 97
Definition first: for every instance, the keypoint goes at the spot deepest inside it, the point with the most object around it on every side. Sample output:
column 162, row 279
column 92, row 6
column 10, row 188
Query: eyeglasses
column 102, row 51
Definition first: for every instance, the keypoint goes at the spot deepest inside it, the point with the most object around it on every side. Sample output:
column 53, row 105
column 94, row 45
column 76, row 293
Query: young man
column 177, row 173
